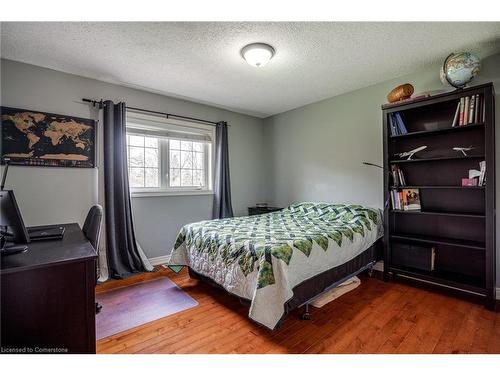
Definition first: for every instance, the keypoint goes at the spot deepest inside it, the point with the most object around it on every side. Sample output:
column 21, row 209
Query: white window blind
column 166, row 155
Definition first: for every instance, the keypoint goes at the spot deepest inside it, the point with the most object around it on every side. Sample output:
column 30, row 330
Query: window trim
column 164, row 155
column 168, row 193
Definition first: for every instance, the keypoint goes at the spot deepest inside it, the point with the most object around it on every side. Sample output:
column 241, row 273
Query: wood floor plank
column 359, row 330
column 494, row 340
column 377, row 317
column 463, row 341
column 174, row 331
column 449, row 332
column 335, row 314
column 388, row 326
column 485, row 328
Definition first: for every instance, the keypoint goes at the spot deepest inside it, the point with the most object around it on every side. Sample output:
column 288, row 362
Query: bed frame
column 308, row 290
column 306, row 315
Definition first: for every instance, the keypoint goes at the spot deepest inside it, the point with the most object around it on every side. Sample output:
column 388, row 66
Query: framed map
column 46, row 139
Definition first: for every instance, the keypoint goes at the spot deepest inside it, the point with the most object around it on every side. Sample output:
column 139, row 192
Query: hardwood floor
column 377, row 317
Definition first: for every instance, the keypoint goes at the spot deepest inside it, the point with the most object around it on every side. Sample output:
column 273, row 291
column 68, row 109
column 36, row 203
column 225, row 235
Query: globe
column 459, row 69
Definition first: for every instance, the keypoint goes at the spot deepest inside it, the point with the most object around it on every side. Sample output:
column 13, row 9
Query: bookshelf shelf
column 439, row 131
column 403, row 161
column 450, row 279
column 452, row 236
column 456, row 214
column 439, row 241
column 438, row 187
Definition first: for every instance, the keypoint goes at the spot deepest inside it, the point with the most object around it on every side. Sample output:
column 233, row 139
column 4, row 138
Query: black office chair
column 92, row 230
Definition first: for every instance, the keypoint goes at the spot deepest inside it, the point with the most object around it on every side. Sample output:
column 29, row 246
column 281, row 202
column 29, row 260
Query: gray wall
column 311, row 153
column 316, row 152
column 56, row 195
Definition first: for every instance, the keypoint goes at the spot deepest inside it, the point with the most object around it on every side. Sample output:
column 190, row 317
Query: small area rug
column 131, row 306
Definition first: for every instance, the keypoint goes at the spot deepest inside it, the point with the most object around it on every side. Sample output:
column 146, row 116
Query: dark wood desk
column 48, row 296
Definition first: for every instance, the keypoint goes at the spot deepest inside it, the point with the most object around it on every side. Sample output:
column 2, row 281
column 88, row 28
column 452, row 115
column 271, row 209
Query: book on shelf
column 396, row 124
column 397, row 200
column 471, row 110
column 398, row 176
column 466, row 110
column 401, row 124
column 392, row 125
column 483, row 110
column 411, row 199
column 405, row 199
column 478, row 109
column 462, row 107
column 482, row 176
column 476, row 177
column 401, row 177
column 479, row 116
column 456, row 117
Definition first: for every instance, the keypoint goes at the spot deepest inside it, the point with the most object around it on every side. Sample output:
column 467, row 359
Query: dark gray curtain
column 222, row 186
column 121, row 246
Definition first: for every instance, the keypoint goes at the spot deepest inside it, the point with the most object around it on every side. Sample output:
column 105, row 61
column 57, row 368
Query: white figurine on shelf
column 463, row 149
column 410, row 153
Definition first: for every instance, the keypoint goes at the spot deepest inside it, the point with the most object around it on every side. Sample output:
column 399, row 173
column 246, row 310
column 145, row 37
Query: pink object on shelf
column 469, row 181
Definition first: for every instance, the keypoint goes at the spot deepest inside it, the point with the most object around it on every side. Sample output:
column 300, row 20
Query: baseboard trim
column 159, row 260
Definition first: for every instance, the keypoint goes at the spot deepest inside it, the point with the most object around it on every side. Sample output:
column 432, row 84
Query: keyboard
column 48, row 232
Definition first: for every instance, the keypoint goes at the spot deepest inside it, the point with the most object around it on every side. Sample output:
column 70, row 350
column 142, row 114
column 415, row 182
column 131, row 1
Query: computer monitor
column 11, row 221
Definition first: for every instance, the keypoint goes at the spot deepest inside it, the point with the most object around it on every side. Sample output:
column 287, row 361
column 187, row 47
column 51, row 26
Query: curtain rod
column 100, row 104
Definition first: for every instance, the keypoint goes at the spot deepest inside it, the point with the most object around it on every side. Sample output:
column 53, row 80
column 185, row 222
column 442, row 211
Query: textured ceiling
column 201, row 61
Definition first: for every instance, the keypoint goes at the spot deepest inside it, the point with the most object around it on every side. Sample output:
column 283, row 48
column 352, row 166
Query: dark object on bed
column 262, row 210
column 307, row 290
column 458, row 221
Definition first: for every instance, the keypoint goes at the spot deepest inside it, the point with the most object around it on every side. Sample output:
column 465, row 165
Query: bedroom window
column 143, row 161
column 187, row 165
column 168, row 157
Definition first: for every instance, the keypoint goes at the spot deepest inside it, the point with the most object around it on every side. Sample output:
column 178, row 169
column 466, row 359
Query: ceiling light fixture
column 257, row 54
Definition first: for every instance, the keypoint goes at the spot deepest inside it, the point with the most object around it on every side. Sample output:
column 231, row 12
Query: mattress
column 266, row 258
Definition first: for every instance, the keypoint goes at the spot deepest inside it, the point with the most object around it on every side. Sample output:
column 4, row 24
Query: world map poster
column 46, row 139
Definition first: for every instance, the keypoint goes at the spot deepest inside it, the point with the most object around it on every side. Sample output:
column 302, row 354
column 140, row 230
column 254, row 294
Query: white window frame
column 160, row 161
column 141, row 123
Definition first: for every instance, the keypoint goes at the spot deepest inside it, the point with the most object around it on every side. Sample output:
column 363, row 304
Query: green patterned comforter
column 254, row 247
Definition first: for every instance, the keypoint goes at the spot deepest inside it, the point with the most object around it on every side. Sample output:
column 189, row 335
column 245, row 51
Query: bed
column 280, row 260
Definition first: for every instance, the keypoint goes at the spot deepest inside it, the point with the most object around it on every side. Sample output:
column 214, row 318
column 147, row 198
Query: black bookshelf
column 456, row 223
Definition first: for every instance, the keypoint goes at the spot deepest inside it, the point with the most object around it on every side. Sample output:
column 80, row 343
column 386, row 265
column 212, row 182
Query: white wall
column 316, row 152
column 57, row 195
